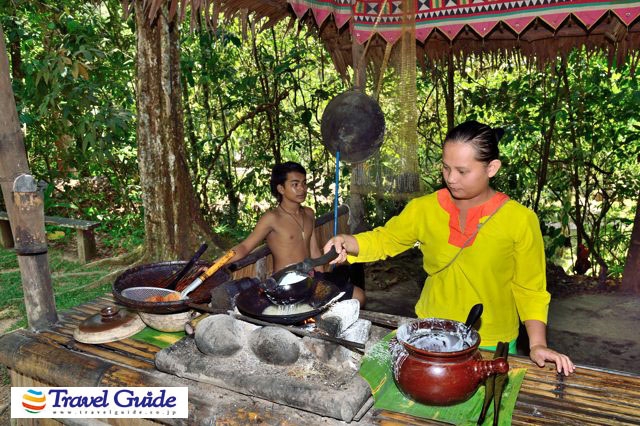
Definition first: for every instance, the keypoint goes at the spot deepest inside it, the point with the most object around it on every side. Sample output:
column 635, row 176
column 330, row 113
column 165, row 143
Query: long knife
column 489, row 386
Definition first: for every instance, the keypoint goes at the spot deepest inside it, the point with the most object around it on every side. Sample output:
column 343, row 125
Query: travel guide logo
column 34, row 401
column 100, row 402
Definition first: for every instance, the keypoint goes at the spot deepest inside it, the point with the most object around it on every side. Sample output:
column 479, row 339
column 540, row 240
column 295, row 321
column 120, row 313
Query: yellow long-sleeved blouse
column 502, row 267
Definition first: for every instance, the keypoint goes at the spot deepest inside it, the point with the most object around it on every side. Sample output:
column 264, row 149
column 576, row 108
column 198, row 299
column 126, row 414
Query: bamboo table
column 53, row 358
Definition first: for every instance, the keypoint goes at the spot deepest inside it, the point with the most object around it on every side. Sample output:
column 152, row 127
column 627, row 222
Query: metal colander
column 142, row 294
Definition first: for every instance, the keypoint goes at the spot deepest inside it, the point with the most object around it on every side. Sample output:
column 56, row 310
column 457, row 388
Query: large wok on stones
column 253, row 302
column 294, row 283
column 158, row 275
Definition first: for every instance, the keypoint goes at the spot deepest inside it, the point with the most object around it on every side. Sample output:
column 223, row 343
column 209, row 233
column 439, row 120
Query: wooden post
column 356, row 204
column 631, row 274
column 86, row 241
column 34, row 267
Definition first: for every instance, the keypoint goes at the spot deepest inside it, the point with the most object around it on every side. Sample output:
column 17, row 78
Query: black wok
column 156, row 275
column 253, row 302
column 302, row 285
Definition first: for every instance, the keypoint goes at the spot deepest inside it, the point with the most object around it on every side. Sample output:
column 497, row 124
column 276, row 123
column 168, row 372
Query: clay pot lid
column 111, row 324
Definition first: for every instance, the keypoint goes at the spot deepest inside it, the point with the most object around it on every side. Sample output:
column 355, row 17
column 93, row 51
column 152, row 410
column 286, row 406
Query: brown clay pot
column 435, row 377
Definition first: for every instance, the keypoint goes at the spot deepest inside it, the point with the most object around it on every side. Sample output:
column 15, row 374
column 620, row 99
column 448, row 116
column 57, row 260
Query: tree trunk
column 545, row 152
column 631, row 274
column 450, row 93
column 174, row 225
column 34, row 266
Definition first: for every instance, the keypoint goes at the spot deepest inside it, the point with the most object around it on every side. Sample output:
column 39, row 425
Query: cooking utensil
column 472, row 318
column 501, row 378
column 154, row 275
column 436, row 377
column 167, row 322
column 155, row 294
column 440, row 340
column 291, row 293
column 292, row 284
column 212, row 270
column 253, row 302
column 187, row 267
column 489, row 387
column 490, row 393
column 306, row 266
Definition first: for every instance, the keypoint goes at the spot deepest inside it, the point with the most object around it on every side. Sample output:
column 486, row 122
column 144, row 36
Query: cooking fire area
column 311, row 364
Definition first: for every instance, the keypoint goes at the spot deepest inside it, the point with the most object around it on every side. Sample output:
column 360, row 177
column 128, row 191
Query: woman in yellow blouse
column 478, row 246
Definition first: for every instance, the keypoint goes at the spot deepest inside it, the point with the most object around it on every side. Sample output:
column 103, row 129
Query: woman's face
column 466, row 177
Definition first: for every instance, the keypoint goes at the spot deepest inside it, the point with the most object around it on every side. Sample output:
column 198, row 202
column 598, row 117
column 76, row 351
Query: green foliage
column 74, row 93
column 570, row 149
column 251, row 107
column 73, row 284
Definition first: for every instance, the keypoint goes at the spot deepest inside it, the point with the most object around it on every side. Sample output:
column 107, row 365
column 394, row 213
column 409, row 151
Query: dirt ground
column 595, row 326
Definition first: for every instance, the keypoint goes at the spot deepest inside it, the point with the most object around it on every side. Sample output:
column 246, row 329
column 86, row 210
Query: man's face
column 294, row 188
column 465, row 176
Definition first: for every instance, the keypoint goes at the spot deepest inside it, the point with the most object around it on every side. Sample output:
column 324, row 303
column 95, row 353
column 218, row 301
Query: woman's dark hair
column 279, row 176
column 483, row 138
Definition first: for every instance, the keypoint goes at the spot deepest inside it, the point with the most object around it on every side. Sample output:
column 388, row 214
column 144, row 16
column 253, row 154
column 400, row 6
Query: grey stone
column 275, row 345
column 358, row 332
column 339, row 317
column 219, row 335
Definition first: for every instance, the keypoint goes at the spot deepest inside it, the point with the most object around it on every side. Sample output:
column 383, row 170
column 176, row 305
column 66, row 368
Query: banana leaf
column 161, row 339
column 376, row 370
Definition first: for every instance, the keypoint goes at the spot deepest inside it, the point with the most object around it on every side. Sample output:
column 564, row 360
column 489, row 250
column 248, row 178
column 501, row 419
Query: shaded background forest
column 253, row 98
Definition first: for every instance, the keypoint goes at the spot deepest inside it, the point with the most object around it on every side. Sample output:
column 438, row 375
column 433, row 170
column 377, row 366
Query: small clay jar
column 440, row 378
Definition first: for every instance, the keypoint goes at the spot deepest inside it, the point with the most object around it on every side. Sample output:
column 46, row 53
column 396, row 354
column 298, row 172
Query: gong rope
column 406, row 145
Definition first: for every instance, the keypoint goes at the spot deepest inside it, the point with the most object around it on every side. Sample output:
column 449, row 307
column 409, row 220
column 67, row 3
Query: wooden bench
column 86, row 239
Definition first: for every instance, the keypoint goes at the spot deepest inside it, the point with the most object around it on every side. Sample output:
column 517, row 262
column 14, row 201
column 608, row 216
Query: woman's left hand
column 540, row 354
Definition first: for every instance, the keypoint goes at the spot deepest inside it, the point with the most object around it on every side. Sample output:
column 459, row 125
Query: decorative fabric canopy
column 451, row 16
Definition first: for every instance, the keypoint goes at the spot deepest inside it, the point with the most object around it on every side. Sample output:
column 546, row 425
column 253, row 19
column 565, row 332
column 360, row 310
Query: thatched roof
column 613, row 27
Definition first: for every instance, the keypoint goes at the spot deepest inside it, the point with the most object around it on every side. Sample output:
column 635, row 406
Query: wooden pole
column 356, row 203
column 631, row 274
column 29, row 235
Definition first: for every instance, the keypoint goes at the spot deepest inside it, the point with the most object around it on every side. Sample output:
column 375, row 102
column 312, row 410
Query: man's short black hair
column 279, row 176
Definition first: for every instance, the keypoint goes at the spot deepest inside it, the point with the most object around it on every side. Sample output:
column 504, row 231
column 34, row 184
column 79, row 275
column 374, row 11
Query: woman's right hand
column 344, row 245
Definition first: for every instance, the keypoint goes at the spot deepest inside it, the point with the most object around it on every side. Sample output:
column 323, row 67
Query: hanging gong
column 353, row 124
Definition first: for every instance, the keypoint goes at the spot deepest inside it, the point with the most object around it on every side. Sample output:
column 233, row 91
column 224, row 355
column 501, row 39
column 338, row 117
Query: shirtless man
column 288, row 228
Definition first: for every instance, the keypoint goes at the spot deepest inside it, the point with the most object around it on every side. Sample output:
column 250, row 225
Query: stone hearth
column 272, row 363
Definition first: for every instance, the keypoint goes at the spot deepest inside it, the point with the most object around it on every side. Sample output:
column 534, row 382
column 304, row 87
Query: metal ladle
column 304, row 267
column 472, row 318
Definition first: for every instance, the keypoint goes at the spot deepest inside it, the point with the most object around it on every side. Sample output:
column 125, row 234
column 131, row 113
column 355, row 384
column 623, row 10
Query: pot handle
column 324, row 259
column 487, row 367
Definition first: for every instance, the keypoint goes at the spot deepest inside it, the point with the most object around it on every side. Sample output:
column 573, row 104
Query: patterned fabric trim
column 457, row 237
